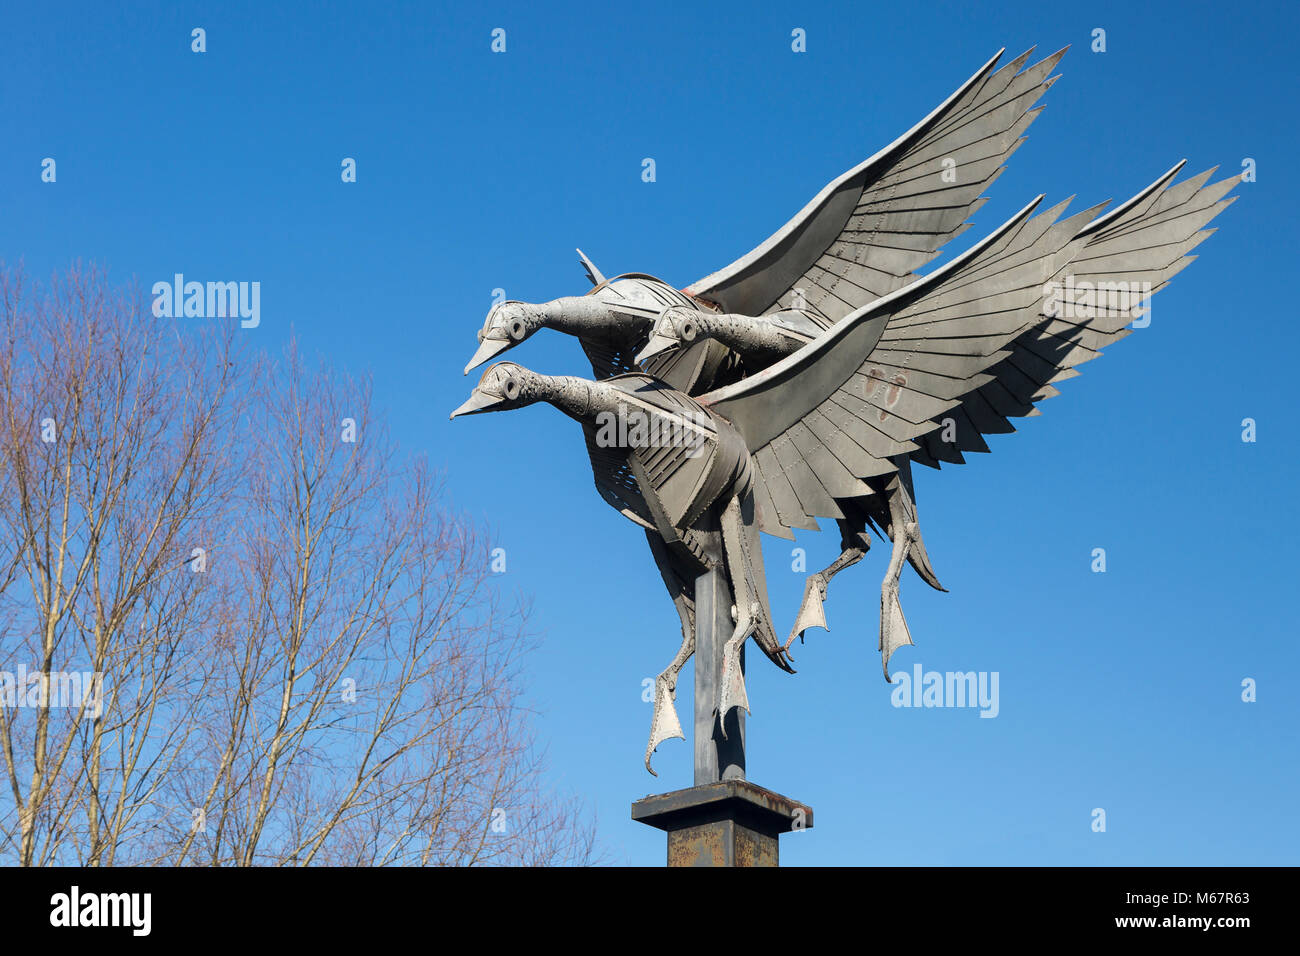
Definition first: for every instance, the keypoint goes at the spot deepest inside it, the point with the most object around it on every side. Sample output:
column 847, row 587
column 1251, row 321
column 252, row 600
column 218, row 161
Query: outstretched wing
column 835, row 412
column 863, row 235
column 1129, row 254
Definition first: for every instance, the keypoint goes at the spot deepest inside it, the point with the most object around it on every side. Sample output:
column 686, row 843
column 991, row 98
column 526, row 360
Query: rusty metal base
column 732, row 823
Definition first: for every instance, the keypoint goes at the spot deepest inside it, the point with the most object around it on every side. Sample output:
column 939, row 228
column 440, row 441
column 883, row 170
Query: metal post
column 716, row 757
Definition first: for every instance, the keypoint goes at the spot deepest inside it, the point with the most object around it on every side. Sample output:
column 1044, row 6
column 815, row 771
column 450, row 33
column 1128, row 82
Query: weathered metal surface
column 729, row 823
column 724, row 843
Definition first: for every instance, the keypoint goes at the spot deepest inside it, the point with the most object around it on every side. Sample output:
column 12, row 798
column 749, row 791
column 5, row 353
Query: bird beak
column 487, row 349
column 478, row 402
column 657, row 344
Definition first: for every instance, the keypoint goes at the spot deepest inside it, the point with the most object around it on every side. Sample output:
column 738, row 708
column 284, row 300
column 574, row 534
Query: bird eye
column 517, row 330
column 511, row 388
column 688, row 331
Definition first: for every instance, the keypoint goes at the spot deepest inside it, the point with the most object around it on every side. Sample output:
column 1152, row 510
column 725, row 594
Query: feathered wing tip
column 1135, row 249
column 868, row 231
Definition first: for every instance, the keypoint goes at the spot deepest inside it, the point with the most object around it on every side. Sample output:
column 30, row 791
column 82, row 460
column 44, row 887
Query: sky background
column 476, row 171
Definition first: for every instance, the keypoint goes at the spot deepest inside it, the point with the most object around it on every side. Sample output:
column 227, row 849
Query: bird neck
column 622, row 420
column 592, row 318
column 579, row 398
column 757, row 339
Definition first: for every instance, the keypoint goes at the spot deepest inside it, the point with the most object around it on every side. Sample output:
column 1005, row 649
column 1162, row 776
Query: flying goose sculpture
column 852, row 366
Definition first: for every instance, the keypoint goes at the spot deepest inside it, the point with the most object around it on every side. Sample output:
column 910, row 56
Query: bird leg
column 744, row 567
column 732, row 691
column 664, row 725
column 893, row 626
column 855, row 542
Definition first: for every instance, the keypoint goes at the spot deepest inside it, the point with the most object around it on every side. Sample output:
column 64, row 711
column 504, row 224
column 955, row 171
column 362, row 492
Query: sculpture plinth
column 728, row 823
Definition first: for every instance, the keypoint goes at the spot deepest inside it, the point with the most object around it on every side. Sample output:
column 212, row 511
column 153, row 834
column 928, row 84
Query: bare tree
column 293, row 651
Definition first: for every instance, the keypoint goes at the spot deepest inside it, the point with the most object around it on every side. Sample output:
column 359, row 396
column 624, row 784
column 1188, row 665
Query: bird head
column 503, row 386
column 676, row 327
column 507, row 324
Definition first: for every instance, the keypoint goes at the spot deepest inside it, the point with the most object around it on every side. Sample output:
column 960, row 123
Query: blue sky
column 478, row 171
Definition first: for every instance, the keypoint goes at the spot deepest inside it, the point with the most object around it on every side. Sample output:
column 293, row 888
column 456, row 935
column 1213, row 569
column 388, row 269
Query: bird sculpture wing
column 1143, row 243
column 952, row 345
column 862, row 236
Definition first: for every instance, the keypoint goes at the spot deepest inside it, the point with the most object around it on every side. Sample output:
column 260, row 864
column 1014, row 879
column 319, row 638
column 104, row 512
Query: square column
column 728, row 823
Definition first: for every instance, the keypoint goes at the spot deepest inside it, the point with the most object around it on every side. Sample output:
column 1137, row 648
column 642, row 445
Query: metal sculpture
column 1131, row 235
column 803, row 380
